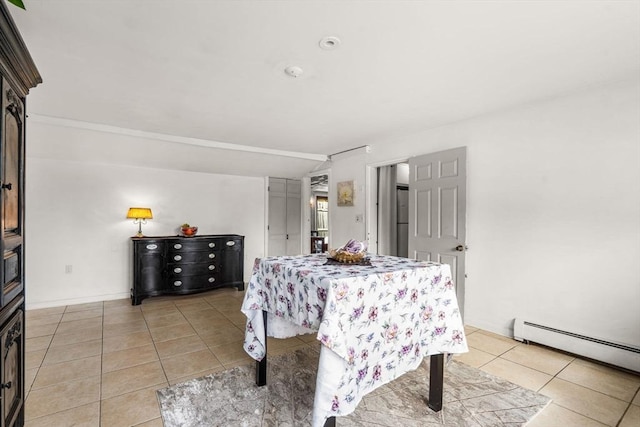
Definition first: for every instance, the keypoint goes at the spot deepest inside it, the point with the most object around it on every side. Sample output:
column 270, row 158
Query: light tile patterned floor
column 99, row 364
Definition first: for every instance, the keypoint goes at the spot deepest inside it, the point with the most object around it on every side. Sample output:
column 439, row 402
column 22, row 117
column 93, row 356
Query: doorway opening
column 319, row 215
column 393, row 209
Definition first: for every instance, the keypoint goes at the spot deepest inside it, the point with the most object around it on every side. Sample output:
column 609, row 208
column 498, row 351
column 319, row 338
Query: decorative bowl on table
column 346, row 257
column 188, row 230
column 351, row 253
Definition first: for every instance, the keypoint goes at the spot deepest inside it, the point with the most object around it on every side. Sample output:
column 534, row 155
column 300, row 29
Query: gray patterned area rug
column 230, row 398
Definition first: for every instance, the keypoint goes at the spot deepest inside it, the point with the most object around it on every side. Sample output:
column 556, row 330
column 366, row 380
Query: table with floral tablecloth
column 375, row 321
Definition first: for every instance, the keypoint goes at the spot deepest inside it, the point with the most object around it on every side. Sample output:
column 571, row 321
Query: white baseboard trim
column 74, row 301
column 490, row 327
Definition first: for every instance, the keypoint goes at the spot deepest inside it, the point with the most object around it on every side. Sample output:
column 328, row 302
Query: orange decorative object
column 189, row 231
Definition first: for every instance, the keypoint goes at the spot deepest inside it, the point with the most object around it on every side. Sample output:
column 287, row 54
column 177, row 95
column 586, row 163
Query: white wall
column 402, row 173
column 553, row 211
column 347, row 222
column 76, row 216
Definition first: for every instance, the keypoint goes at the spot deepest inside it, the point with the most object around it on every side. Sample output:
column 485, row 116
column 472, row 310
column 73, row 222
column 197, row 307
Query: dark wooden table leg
column 436, row 379
column 261, row 366
column 331, row 422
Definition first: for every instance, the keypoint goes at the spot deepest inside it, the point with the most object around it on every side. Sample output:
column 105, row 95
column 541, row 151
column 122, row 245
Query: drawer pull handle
column 6, row 385
column 212, row 267
column 177, row 270
column 212, row 245
column 152, row 246
column 177, row 283
column 177, row 246
column 231, row 243
column 212, row 279
column 212, row 256
column 177, row 257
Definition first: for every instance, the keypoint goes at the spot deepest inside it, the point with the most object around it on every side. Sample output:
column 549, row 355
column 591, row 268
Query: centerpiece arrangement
column 351, row 253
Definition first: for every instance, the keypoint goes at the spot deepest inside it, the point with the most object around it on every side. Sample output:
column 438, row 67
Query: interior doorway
column 393, row 209
column 319, row 213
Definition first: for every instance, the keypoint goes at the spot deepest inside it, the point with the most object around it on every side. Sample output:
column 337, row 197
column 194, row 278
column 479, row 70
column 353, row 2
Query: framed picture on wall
column 345, row 193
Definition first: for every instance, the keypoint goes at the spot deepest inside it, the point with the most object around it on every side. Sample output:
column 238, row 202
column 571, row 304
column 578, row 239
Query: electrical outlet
column 68, row 269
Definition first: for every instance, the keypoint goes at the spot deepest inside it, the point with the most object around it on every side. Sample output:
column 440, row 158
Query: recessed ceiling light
column 329, row 43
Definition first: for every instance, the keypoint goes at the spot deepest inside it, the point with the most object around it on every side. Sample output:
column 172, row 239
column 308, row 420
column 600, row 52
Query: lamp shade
column 139, row 213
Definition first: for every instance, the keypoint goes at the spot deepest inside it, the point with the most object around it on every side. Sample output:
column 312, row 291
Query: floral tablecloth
column 375, row 322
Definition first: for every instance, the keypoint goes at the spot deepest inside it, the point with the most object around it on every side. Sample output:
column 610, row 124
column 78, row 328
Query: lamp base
column 139, row 233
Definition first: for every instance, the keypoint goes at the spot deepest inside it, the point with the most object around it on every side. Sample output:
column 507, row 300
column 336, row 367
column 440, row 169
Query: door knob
column 462, row 248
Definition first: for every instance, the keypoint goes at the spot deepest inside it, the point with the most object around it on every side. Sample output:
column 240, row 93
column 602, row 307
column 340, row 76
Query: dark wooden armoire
column 18, row 74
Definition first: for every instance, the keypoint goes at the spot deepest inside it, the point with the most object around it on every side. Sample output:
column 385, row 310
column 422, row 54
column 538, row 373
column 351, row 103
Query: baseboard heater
column 622, row 355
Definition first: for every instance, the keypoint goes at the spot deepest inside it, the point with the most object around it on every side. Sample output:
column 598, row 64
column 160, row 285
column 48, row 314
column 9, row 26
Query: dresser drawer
column 185, row 245
column 194, row 282
column 191, row 257
column 182, row 270
column 149, row 247
column 232, row 244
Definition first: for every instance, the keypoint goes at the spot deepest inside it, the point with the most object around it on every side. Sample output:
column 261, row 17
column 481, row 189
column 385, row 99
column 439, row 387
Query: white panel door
column 285, row 217
column 437, row 211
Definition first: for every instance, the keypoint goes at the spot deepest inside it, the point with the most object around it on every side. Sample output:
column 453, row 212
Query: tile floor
column 99, row 364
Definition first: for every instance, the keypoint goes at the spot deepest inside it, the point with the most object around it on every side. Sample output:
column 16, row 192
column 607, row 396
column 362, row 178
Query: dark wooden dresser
column 18, row 74
column 184, row 265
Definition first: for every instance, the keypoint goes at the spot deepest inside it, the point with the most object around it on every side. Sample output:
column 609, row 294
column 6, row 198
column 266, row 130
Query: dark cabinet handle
column 7, row 186
column 6, row 385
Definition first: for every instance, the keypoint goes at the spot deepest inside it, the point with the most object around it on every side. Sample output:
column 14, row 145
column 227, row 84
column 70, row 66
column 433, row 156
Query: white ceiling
column 214, row 70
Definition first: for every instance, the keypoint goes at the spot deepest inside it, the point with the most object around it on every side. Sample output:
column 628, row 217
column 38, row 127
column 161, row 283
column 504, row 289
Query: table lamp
column 139, row 216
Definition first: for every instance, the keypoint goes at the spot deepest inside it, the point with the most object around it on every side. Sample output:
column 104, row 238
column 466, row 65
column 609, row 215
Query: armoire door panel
column 11, row 162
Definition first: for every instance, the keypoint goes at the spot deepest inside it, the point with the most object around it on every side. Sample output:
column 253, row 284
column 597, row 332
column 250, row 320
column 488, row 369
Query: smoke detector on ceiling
column 329, row 43
column 293, row 71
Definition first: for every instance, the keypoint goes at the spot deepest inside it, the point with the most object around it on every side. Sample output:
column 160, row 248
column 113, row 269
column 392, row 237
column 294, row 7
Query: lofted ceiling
column 215, row 70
